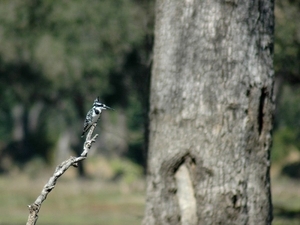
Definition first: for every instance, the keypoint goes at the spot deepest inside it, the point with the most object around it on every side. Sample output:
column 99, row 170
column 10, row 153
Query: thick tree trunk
column 211, row 113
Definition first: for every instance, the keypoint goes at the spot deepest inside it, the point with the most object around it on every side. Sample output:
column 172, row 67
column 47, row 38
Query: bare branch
column 34, row 208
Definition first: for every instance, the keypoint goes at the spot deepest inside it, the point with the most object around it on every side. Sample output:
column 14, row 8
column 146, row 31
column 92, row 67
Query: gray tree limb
column 34, row 208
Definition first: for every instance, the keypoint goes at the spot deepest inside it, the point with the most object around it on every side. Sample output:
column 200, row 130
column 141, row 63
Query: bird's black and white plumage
column 93, row 115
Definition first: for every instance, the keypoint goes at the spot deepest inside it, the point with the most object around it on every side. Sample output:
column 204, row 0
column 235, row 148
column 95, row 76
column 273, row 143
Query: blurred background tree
column 57, row 56
column 286, row 136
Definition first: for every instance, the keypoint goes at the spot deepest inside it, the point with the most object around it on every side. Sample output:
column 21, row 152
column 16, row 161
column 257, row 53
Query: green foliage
column 62, row 54
column 288, row 108
column 65, row 42
column 126, row 170
column 284, row 140
column 287, row 121
column 287, row 37
column 287, row 69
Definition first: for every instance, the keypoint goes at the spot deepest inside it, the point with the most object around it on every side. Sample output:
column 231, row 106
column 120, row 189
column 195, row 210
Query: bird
column 93, row 115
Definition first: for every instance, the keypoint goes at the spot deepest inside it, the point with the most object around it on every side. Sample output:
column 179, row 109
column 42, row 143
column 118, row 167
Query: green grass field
column 286, row 201
column 92, row 202
column 71, row 202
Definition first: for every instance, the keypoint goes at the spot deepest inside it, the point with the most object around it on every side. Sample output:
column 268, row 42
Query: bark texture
column 211, row 110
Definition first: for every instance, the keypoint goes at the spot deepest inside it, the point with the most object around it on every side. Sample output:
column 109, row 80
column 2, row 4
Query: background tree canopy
column 57, row 56
column 287, row 70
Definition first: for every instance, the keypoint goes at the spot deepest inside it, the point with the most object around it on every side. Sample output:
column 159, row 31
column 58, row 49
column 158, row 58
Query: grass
column 286, row 201
column 71, row 202
column 92, row 202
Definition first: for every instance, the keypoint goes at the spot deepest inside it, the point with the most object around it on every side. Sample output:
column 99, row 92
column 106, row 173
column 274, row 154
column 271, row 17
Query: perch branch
column 34, row 208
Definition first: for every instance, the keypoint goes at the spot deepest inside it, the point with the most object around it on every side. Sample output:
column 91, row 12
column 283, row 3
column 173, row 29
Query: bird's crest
column 97, row 100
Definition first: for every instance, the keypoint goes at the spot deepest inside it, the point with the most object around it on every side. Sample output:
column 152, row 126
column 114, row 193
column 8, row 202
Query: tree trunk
column 211, row 110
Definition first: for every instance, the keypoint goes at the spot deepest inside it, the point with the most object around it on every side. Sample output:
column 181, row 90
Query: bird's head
column 101, row 106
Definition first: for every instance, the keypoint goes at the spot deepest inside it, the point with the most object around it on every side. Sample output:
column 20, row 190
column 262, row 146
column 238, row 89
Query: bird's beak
column 106, row 107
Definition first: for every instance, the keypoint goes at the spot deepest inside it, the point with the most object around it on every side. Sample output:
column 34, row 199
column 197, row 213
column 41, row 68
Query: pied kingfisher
column 93, row 115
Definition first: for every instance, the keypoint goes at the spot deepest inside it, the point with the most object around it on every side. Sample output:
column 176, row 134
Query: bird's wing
column 88, row 122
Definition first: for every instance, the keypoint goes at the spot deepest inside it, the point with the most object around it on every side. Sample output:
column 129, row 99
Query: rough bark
column 211, row 110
